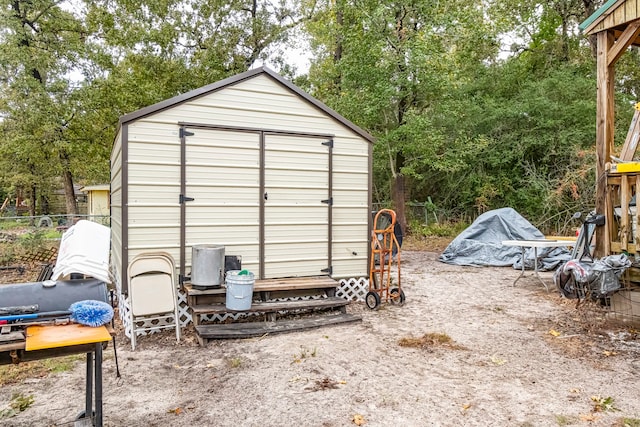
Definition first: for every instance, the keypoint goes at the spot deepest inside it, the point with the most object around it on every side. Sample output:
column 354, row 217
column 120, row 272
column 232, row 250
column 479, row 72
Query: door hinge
column 184, row 132
column 328, row 143
column 182, row 279
column 184, row 199
column 328, row 201
column 328, row 270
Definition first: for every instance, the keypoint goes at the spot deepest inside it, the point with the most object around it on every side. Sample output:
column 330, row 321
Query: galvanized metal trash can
column 207, row 266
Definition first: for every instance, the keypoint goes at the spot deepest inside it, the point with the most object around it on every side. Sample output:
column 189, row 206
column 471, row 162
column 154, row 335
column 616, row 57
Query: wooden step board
column 258, row 329
column 274, row 306
column 269, row 285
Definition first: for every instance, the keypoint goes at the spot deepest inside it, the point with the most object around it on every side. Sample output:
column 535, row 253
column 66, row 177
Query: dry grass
column 11, row 374
column 323, row 384
column 431, row 340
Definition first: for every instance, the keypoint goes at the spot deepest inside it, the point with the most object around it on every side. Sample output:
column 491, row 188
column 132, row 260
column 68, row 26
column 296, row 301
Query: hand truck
column 384, row 246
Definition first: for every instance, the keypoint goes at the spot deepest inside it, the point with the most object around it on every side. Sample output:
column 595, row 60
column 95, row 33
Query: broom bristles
column 91, row 312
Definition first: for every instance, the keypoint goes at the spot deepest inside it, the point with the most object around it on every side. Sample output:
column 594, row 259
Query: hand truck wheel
column 83, row 414
column 372, row 299
column 397, row 296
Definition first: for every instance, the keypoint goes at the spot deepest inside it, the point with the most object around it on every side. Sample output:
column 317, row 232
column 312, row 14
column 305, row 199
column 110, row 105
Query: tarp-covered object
column 597, row 279
column 481, row 243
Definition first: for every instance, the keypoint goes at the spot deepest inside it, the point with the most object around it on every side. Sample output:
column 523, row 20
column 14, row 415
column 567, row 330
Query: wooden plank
column 16, row 345
column 636, row 234
column 11, row 336
column 314, row 282
column 631, row 9
column 625, row 40
column 47, row 337
column 273, row 306
column 618, row 17
column 624, row 214
column 258, row 329
column 631, row 142
column 617, row 249
column 266, row 285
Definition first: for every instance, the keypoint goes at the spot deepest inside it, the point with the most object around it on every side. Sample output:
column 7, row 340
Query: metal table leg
column 535, row 268
column 98, row 360
column 521, row 271
column 88, row 407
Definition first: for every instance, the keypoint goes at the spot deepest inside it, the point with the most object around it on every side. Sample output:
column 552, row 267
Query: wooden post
column 625, row 229
column 636, row 219
column 604, row 132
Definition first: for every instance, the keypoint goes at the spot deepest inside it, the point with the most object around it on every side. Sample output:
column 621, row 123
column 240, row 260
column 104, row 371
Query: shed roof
column 613, row 14
column 213, row 87
column 99, row 187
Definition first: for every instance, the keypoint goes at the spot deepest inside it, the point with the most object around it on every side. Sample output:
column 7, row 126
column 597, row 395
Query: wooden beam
column 633, row 135
column 636, row 219
column 604, row 132
column 625, row 228
column 625, row 40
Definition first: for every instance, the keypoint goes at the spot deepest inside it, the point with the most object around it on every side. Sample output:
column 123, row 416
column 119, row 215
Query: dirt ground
column 518, row 356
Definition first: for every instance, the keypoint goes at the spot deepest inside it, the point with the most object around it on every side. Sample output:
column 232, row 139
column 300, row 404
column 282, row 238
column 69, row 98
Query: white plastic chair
column 152, row 293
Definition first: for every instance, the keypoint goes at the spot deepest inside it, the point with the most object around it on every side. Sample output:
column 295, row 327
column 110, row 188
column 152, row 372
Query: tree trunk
column 398, row 202
column 44, row 205
column 398, row 192
column 32, row 206
column 69, row 193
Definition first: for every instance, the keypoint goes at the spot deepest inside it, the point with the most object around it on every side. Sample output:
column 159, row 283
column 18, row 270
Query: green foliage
column 445, row 229
column 22, row 243
column 234, row 362
column 476, row 105
column 66, row 77
column 603, row 404
column 630, row 422
column 19, row 403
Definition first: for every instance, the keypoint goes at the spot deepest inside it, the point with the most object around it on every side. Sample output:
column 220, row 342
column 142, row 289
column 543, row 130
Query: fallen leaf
column 342, row 382
column 555, row 333
column 358, row 420
column 575, row 390
column 588, row 417
column 497, row 361
column 176, row 411
column 609, row 353
column 466, row 406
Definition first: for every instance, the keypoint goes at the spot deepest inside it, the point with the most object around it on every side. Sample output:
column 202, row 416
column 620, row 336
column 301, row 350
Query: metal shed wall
column 116, row 206
column 152, row 145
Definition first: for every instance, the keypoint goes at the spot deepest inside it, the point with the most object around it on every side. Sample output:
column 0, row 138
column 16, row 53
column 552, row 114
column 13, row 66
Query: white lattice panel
column 353, row 289
column 125, row 316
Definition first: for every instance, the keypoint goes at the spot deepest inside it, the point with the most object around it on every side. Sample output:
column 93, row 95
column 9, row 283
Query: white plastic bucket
column 239, row 290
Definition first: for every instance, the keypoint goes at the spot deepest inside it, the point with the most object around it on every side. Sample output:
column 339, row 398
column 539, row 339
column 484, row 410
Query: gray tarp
column 481, row 243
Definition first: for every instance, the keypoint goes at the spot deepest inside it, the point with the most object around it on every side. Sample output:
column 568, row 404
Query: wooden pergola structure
column 616, row 26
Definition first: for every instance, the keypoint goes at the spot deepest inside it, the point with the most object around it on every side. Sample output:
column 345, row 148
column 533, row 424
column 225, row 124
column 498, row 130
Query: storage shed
column 97, row 201
column 253, row 163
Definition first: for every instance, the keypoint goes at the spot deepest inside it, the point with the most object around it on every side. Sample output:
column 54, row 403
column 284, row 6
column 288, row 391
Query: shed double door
column 264, row 195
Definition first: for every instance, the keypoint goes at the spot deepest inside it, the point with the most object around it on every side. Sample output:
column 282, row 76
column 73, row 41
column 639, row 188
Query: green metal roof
column 597, row 14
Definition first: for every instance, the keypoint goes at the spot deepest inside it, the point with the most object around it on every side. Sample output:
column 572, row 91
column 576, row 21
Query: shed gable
column 611, row 15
